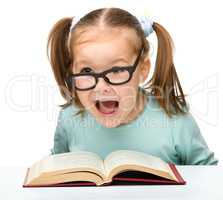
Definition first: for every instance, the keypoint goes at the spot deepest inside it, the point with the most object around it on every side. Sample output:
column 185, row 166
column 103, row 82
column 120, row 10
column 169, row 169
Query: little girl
column 100, row 62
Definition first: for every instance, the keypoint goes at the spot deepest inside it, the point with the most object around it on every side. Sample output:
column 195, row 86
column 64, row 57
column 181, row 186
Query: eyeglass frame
column 131, row 69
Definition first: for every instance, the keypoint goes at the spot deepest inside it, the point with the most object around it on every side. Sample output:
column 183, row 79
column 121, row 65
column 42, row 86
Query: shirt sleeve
column 60, row 136
column 190, row 145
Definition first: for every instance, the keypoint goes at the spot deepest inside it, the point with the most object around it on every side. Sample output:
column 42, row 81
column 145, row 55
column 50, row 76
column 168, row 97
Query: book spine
column 177, row 174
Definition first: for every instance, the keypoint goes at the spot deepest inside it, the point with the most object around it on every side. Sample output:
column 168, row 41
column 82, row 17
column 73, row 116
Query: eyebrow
column 111, row 63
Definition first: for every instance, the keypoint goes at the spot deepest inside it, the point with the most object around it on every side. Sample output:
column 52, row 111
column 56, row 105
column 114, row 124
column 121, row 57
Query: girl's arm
column 60, row 137
column 190, row 145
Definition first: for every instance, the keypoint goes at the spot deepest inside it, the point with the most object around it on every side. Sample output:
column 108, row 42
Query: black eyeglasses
column 115, row 76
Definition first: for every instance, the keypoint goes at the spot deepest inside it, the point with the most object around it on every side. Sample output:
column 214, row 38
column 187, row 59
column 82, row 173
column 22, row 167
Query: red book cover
column 125, row 178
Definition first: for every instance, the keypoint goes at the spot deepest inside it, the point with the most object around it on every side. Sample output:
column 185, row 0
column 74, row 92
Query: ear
column 144, row 69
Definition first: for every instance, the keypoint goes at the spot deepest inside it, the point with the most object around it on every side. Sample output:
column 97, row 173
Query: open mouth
column 107, row 107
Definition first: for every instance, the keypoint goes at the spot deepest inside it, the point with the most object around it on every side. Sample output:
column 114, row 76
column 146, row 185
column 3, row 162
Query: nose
column 102, row 86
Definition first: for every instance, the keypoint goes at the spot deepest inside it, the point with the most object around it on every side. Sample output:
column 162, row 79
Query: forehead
column 105, row 43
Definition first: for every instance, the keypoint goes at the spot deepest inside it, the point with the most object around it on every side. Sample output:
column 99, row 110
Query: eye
column 86, row 70
column 118, row 70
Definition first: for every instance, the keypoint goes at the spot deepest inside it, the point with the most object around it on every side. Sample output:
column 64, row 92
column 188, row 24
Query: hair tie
column 147, row 25
column 74, row 21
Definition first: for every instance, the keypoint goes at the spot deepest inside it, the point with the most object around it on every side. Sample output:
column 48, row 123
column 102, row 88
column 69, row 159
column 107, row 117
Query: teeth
column 107, row 99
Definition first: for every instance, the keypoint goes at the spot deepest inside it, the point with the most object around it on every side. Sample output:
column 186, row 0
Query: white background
column 29, row 94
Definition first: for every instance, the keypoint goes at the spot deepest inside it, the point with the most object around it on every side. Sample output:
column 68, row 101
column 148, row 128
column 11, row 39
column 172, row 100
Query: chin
column 111, row 122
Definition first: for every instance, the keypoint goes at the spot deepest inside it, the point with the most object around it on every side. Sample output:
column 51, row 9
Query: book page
column 124, row 157
column 63, row 161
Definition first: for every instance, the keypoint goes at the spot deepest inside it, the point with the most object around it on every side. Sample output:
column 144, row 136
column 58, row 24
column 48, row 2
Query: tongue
column 107, row 106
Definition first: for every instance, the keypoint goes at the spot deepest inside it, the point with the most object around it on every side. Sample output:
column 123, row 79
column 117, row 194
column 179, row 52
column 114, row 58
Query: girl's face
column 97, row 50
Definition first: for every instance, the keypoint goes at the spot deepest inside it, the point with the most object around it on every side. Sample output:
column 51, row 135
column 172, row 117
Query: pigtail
column 164, row 84
column 58, row 55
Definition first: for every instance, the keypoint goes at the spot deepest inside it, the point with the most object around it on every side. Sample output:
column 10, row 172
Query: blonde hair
column 164, row 84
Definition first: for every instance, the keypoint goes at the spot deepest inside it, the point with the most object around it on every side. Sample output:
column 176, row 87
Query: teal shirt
column 175, row 140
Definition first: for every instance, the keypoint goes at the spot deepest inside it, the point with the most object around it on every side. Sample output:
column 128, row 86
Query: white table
column 203, row 182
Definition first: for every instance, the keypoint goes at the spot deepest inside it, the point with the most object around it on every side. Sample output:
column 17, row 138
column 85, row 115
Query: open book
column 87, row 168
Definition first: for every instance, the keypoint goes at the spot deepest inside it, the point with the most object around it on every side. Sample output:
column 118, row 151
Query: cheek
column 84, row 98
column 128, row 94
